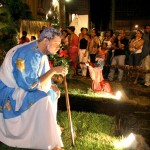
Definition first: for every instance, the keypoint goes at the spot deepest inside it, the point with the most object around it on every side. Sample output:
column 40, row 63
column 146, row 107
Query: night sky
column 100, row 13
column 124, row 9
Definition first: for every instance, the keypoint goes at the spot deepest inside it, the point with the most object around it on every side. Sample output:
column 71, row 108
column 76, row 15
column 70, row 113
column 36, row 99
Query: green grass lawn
column 92, row 132
column 82, row 87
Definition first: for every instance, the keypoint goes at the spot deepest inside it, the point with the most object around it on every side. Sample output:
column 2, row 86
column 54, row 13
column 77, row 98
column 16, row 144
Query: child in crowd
column 96, row 71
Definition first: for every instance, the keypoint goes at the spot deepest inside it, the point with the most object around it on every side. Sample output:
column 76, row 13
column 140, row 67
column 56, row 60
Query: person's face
column 54, row 45
column 32, row 38
column 104, row 46
column 93, row 33
column 147, row 29
column 122, row 34
column 107, row 33
column 139, row 34
column 84, row 31
column 64, row 33
column 69, row 31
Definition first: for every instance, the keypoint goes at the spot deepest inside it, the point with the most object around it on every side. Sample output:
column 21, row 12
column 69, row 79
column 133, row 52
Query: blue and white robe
column 27, row 112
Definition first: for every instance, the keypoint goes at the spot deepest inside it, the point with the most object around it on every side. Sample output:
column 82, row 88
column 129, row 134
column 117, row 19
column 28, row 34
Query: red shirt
column 24, row 41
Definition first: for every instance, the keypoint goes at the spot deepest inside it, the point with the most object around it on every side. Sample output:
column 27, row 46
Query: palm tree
column 7, row 30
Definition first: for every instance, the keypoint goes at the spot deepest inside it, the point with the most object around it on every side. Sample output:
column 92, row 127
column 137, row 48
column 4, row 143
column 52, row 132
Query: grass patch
column 82, row 88
column 88, row 94
column 92, row 131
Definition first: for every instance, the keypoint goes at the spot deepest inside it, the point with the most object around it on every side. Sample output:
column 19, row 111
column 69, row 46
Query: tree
column 11, row 12
column 17, row 9
column 7, row 30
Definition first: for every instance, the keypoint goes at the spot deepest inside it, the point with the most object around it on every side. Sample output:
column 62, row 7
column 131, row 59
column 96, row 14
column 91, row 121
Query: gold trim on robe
column 20, row 64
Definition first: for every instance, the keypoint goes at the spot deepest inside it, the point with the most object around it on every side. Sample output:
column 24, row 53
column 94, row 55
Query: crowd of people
column 119, row 51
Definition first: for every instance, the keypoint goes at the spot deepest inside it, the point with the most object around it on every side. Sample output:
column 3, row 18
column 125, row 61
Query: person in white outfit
column 120, row 47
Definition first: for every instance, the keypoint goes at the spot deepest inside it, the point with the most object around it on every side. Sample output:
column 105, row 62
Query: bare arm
column 135, row 45
column 48, row 75
column 139, row 44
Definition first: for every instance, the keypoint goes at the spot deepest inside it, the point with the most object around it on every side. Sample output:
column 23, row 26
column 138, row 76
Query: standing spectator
column 93, row 45
column 83, row 49
column 109, row 39
column 101, row 38
column 24, row 38
column 64, row 40
column 135, row 48
column 73, row 48
column 120, row 46
column 80, row 34
column 146, row 54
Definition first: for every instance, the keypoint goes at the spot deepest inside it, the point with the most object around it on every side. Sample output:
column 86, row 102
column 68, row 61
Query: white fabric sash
column 7, row 77
column 44, row 64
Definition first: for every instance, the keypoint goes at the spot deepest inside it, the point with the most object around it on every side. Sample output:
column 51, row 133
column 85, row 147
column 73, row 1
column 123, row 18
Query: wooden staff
column 69, row 112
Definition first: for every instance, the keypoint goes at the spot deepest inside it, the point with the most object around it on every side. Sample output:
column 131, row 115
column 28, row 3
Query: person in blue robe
column 28, row 98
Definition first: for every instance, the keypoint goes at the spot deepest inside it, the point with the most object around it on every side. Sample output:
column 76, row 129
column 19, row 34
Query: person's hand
column 61, row 70
column 122, row 46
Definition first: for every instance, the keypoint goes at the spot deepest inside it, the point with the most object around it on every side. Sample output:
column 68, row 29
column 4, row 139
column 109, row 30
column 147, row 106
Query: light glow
column 118, row 95
column 73, row 16
column 55, row 3
column 136, row 26
column 49, row 12
column 127, row 142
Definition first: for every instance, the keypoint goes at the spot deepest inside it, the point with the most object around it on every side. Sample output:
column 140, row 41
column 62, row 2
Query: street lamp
column 49, row 12
column 136, row 26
